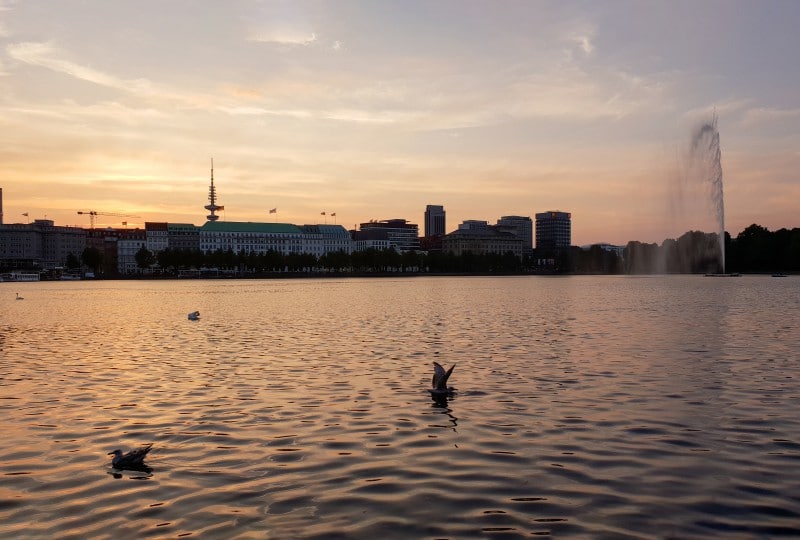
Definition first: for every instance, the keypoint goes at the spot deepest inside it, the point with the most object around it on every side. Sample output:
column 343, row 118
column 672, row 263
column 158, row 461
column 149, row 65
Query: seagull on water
column 440, row 376
column 132, row 460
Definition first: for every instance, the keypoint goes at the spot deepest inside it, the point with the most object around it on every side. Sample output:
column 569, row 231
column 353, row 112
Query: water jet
column 705, row 166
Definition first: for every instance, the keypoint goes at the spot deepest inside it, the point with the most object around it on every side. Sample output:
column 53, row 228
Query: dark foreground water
column 594, row 407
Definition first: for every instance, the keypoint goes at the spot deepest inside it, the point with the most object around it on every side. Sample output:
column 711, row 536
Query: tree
column 145, row 258
column 92, row 257
column 72, row 261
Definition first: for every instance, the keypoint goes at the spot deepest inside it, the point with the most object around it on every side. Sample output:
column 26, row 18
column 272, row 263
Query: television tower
column 212, row 198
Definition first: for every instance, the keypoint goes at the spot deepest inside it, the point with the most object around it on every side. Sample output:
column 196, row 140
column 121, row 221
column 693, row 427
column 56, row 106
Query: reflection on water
column 584, row 406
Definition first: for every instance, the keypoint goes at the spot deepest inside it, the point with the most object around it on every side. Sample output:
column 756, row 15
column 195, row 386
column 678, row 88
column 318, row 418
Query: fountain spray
column 705, row 155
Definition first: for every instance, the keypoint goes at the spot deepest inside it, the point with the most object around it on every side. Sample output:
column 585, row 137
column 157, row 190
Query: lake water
column 593, row 407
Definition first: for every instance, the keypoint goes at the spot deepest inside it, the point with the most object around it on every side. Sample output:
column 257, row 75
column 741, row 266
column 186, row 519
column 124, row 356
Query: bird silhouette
column 132, row 460
column 440, row 376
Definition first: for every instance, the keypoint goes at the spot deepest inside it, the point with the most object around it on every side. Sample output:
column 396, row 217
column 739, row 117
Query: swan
column 133, row 459
column 19, row 297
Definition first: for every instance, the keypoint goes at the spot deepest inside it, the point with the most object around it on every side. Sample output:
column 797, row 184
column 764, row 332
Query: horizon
column 660, row 243
column 375, row 110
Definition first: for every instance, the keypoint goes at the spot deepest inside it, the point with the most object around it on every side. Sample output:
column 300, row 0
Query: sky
column 373, row 109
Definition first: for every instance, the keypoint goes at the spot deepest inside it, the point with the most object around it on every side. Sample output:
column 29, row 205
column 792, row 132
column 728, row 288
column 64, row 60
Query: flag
column 333, row 215
column 273, row 210
column 322, row 213
column 25, row 214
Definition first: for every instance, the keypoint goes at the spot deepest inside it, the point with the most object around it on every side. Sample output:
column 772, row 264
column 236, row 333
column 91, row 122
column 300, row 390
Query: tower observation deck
column 212, row 198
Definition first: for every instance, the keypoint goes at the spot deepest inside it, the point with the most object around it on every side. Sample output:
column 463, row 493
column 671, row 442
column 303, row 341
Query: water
column 705, row 168
column 595, row 407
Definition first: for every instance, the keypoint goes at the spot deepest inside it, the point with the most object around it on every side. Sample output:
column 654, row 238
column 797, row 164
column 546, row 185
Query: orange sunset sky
column 373, row 109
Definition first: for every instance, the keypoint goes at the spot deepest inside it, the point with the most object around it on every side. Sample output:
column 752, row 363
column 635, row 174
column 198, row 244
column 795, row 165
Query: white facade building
column 284, row 238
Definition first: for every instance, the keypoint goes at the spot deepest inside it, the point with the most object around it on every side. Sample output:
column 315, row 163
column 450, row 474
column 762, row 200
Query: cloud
column 44, row 54
column 584, row 42
column 767, row 114
column 284, row 36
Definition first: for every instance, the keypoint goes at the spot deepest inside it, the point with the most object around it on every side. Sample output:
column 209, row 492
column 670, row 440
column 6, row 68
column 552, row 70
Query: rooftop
column 250, row 227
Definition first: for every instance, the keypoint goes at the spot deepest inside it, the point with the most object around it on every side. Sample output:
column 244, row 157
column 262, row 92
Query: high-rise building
column 553, row 230
column 434, row 220
column 519, row 226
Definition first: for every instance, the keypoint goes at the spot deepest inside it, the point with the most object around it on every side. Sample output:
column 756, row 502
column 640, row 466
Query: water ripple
column 587, row 407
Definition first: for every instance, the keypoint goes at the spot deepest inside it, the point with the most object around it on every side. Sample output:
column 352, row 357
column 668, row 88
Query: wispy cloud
column 584, row 42
column 45, row 54
column 48, row 56
column 767, row 114
column 284, row 36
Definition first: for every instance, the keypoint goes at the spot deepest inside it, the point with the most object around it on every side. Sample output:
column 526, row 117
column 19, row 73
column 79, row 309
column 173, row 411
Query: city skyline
column 373, row 110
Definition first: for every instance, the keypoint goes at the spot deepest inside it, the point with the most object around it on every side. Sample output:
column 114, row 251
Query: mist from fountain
column 705, row 167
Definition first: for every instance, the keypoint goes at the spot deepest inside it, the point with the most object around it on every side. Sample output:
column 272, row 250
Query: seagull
column 440, row 377
column 19, row 297
column 132, row 460
column 194, row 315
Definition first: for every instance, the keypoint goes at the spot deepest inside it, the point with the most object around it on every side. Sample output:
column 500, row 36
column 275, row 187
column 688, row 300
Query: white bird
column 194, row 316
column 440, row 376
column 133, row 459
column 19, row 297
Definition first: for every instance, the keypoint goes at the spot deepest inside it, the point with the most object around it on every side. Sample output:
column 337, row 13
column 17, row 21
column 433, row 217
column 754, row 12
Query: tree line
column 756, row 249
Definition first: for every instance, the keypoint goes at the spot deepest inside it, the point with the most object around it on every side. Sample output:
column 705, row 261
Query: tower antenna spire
column 212, row 198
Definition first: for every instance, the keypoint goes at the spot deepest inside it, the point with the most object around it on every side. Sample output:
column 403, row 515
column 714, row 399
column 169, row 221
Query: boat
column 778, row 274
column 21, row 276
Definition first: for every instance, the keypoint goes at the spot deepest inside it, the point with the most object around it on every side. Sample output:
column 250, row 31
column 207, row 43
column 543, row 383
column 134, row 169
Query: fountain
column 705, row 163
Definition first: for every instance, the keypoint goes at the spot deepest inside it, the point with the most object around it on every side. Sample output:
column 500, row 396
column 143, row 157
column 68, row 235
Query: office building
column 40, row 244
column 183, row 236
column 519, row 226
column 434, row 220
column 395, row 233
column 553, row 230
column 479, row 237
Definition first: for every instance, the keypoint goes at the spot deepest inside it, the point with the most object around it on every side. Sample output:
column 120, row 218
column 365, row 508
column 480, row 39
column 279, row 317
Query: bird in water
column 19, row 297
column 440, row 376
column 132, row 460
column 194, row 316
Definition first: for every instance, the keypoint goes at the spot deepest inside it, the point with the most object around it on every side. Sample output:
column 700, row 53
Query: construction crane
column 92, row 214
